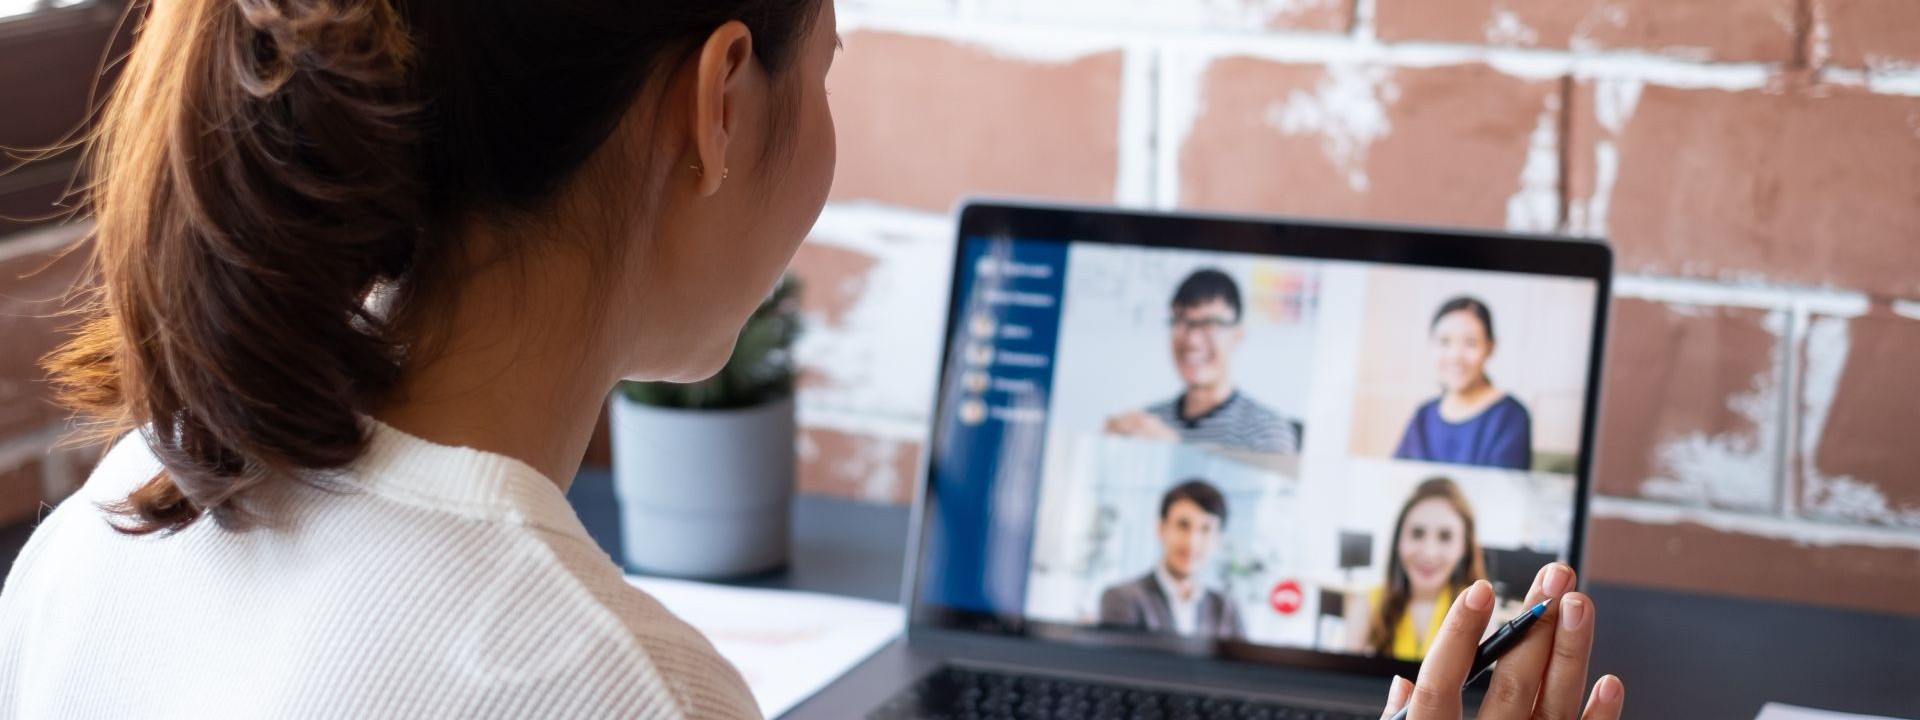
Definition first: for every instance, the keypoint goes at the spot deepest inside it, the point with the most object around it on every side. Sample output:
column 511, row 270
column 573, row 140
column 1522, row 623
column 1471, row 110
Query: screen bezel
column 1274, row 237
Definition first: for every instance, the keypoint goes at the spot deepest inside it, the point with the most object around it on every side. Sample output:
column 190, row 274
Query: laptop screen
column 1252, row 440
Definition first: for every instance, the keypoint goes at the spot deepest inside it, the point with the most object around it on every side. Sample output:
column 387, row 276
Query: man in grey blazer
column 1170, row 598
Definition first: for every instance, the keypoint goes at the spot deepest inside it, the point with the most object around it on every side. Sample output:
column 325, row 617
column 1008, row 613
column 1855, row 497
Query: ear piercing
column 724, row 172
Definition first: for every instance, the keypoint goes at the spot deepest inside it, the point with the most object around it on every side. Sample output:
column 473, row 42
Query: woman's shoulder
column 1427, row 409
column 702, row 682
column 128, row 463
column 1508, row 406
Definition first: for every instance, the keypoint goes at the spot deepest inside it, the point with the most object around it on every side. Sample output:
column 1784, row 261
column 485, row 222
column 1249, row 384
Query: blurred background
column 1755, row 163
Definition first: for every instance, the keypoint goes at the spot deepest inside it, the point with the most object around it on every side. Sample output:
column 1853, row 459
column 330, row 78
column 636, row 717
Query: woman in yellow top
column 1434, row 554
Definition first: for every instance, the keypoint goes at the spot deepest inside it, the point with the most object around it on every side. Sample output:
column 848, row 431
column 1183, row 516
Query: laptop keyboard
column 969, row 694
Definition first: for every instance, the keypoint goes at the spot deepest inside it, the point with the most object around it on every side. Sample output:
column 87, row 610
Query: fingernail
column 1558, row 577
column 1397, row 690
column 1573, row 613
column 1610, row 689
column 1479, row 596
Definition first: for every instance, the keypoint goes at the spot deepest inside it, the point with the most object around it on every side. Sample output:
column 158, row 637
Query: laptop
column 1191, row 466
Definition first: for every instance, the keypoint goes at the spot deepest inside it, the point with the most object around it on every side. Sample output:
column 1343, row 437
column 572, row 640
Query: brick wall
column 35, row 277
column 1756, row 164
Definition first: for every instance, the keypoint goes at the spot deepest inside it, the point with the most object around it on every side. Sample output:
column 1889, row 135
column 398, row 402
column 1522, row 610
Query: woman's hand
column 1544, row 677
column 1141, row 425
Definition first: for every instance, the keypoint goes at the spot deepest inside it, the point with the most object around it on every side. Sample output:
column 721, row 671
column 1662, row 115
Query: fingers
column 1397, row 694
column 1517, row 679
column 1154, row 428
column 1567, row 669
column 1609, row 696
column 1436, row 695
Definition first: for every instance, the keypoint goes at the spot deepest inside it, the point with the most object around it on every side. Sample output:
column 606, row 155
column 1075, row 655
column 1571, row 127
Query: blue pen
column 1493, row 647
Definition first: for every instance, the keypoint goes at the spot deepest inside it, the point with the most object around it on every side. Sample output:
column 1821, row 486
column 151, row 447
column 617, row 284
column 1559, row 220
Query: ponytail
column 256, row 181
column 265, row 167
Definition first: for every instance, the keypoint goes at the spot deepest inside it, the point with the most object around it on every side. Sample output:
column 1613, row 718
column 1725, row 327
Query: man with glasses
column 1206, row 333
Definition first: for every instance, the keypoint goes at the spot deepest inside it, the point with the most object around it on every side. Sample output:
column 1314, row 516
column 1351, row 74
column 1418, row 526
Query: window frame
column 53, row 62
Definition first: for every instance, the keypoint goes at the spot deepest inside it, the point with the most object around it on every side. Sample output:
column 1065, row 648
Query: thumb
column 1397, row 695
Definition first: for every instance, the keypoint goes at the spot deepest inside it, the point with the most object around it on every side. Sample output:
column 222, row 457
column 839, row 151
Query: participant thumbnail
column 1412, row 536
column 1209, row 349
column 1166, row 539
column 1483, row 369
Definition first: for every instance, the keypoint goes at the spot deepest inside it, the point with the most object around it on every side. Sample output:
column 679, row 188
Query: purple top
column 1500, row 436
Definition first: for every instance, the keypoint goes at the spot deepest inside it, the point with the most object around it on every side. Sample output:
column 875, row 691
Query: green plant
column 761, row 369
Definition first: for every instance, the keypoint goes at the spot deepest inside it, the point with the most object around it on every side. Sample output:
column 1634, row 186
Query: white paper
column 788, row 645
column 1783, row 711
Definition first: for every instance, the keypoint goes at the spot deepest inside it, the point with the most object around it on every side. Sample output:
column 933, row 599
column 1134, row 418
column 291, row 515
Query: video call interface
column 1297, row 453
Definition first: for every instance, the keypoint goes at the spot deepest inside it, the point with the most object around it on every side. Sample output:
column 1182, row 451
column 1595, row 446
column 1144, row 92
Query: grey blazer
column 1140, row 605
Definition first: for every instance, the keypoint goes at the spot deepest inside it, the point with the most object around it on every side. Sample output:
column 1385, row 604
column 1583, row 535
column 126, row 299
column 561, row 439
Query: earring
column 724, row 172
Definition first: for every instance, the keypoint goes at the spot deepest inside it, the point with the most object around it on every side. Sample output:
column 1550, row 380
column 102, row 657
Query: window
column 10, row 9
column 51, row 55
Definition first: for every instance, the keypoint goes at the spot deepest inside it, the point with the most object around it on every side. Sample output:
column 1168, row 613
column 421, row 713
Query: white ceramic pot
column 703, row 493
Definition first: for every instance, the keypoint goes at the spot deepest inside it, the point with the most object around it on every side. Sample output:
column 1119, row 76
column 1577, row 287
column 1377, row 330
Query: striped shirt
column 1237, row 424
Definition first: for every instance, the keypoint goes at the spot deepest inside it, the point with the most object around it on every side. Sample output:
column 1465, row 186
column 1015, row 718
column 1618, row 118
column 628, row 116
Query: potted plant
column 704, row 471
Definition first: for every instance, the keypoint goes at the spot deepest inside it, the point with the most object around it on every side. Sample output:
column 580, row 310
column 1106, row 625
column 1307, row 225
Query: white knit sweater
column 442, row 582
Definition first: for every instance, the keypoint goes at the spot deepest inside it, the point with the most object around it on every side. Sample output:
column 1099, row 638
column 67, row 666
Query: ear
column 719, row 80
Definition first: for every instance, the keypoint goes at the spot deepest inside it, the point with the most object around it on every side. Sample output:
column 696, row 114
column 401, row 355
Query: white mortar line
column 1786, row 449
column 862, row 218
column 1134, row 184
column 898, row 429
column 1682, row 291
column 1883, row 82
column 1364, row 26
column 40, row 241
column 1802, row 532
column 1181, row 98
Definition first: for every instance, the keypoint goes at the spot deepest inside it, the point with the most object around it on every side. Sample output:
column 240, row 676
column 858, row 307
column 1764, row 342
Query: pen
column 1493, row 647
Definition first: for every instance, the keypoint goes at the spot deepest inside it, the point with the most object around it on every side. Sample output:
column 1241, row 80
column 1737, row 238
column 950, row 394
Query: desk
column 1683, row 656
column 839, row 547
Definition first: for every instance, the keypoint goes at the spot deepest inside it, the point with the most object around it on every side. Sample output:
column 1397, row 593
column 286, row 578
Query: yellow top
column 1406, row 644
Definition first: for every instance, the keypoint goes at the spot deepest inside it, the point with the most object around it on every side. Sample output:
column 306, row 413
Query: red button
column 1287, row 597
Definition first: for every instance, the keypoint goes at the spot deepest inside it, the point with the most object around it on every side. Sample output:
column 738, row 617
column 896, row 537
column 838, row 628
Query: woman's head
column 293, row 194
column 1461, row 336
column 1433, row 546
column 1433, row 538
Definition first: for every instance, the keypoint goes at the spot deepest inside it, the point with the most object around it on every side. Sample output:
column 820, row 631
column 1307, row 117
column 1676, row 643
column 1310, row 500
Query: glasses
column 1208, row 325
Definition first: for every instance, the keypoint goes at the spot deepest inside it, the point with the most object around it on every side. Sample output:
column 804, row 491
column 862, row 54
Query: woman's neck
column 516, row 368
column 1423, row 595
column 1462, row 403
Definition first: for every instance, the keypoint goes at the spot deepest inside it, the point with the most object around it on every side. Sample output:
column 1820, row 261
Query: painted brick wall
column 35, row 278
column 1755, row 162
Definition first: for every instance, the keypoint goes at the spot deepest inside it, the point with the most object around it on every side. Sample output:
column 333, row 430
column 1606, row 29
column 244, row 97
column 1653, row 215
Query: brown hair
column 266, row 168
column 1198, row 492
column 1398, row 593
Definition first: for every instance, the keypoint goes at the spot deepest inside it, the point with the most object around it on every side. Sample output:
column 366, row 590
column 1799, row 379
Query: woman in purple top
column 1472, row 422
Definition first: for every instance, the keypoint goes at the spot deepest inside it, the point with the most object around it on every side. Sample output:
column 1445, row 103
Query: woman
column 367, row 270
column 1434, row 555
column 1472, row 422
